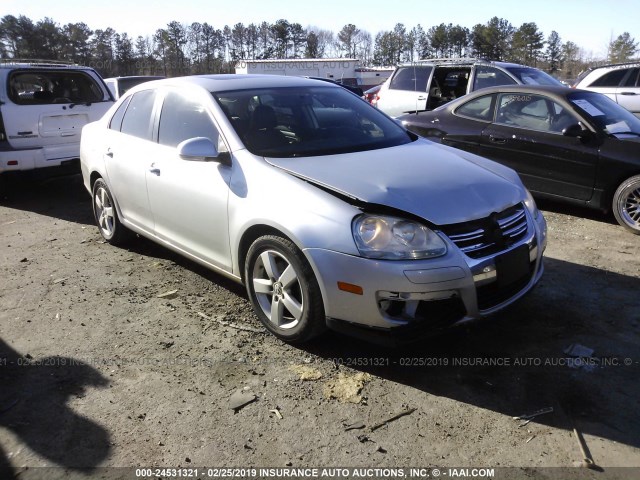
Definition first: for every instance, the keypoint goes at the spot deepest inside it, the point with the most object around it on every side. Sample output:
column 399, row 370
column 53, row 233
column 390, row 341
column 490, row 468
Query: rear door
column 628, row 93
column 406, row 90
column 126, row 157
column 49, row 107
column 463, row 129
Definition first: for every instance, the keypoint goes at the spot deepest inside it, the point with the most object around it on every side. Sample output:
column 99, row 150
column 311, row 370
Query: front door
column 527, row 136
column 189, row 198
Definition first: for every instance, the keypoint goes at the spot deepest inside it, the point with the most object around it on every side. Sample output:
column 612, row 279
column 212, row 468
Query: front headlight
column 531, row 205
column 392, row 238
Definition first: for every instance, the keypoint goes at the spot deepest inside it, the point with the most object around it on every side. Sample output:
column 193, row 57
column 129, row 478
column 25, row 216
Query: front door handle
column 155, row 171
column 109, row 154
column 628, row 93
column 497, row 139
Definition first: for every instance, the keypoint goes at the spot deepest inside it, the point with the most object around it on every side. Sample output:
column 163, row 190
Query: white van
column 43, row 107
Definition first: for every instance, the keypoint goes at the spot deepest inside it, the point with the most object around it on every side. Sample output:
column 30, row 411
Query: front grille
column 429, row 316
column 441, row 313
column 492, row 294
column 493, row 234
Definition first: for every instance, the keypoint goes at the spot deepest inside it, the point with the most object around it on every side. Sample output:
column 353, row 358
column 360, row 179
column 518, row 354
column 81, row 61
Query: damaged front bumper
column 406, row 300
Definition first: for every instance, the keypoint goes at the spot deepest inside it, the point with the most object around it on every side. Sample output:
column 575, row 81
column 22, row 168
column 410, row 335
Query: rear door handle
column 628, row 93
column 497, row 139
column 109, row 154
column 153, row 169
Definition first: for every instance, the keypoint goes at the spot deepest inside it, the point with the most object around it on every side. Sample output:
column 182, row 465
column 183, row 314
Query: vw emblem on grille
column 493, row 232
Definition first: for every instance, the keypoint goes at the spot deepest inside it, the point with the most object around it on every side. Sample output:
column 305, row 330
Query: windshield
column 533, row 76
column 307, row 121
column 606, row 114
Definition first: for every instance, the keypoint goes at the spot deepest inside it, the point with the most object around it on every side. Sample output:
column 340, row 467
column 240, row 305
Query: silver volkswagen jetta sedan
column 329, row 212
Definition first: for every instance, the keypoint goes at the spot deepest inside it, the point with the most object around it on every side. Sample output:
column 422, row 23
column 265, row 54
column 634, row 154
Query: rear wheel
column 106, row 216
column 626, row 204
column 283, row 290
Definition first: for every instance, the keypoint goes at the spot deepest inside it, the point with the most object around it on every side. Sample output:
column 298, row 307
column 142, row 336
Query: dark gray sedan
column 566, row 144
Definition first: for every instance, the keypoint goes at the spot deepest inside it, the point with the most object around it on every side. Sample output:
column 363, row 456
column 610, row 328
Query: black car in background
column 566, row 144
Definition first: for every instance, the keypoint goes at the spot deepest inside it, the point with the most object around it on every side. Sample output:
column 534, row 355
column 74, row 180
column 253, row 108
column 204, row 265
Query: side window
column 116, row 120
column 633, row 80
column 611, row 79
column 413, row 79
column 137, row 118
column 533, row 112
column 478, row 108
column 490, row 77
column 183, row 118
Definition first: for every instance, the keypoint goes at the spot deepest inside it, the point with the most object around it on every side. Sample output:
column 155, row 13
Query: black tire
column 282, row 274
column 626, row 204
column 106, row 215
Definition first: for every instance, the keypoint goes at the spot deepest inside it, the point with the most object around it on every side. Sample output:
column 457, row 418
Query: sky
column 591, row 24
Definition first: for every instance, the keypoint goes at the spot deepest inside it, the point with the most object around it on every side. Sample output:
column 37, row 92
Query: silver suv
column 43, row 107
column 427, row 84
column 620, row 82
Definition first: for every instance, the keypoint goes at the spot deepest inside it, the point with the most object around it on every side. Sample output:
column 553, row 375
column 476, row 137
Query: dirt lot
column 97, row 370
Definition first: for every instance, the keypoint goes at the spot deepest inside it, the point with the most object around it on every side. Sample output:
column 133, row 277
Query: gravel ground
column 99, row 369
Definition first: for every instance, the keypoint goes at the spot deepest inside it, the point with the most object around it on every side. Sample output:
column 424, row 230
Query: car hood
column 439, row 184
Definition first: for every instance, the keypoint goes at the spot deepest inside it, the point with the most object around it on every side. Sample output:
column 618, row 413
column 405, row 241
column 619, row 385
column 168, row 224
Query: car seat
column 263, row 132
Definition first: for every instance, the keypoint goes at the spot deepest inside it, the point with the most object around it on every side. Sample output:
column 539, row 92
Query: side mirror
column 576, row 130
column 202, row 149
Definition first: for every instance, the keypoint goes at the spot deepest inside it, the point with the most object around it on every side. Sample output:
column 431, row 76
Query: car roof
column 13, row 64
column 227, row 82
column 549, row 89
column 462, row 62
column 135, row 77
column 614, row 66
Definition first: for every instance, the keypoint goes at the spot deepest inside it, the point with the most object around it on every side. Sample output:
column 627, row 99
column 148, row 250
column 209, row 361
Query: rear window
column 42, row 87
column 478, row 108
column 137, row 118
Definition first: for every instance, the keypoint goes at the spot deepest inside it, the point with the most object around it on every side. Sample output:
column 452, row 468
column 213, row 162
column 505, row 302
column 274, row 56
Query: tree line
column 179, row 49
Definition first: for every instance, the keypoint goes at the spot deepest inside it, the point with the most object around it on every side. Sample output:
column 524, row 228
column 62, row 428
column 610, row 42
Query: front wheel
column 283, row 290
column 106, row 216
column 626, row 204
